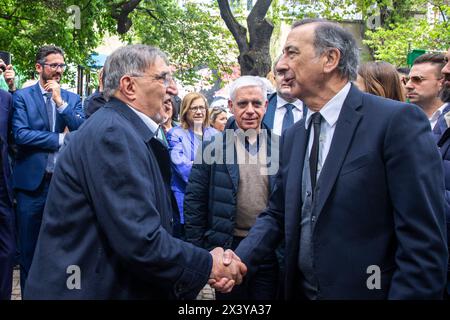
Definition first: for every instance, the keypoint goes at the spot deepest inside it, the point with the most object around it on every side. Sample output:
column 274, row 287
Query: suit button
column 313, row 218
column 308, row 193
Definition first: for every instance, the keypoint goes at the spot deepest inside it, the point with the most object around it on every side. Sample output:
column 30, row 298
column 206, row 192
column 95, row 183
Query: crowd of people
column 137, row 194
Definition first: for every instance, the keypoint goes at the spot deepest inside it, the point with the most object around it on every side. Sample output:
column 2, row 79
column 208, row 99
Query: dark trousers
column 30, row 206
column 7, row 243
column 261, row 285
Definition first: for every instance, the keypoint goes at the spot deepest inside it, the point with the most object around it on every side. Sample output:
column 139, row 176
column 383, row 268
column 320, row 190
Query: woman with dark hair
column 380, row 78
column 184, row 141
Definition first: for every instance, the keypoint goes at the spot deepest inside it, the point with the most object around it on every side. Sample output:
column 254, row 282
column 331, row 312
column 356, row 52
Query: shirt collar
column 281, row 102
column 331, row 110
column 42, row 89
column 152, row 125
column 438, row 112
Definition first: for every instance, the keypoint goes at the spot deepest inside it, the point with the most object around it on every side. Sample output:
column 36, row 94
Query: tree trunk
column 254, row 51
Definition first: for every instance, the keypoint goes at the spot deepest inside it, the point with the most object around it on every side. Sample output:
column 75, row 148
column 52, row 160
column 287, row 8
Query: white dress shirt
column 280, row 111
column 330, row 113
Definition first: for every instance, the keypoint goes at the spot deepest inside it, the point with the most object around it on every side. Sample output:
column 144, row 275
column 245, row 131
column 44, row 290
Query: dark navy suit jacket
column 269, row 116
column 5, row 112
column 379, row 202
column 32, row 135
column 109, row 212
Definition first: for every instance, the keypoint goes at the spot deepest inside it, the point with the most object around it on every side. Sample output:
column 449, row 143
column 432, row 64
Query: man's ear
column 127, row 87
column 331, row 60
column 230, row 106
column 38, row 68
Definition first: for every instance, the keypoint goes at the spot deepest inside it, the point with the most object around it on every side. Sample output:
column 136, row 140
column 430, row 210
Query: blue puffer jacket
column 211, row 195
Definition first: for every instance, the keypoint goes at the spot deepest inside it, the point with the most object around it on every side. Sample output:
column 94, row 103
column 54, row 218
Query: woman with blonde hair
column 184, row 141
column 218, row 117
column 380, row 78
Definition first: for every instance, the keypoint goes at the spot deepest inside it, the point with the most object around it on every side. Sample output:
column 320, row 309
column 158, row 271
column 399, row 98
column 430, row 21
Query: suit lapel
column 295, row 163
column 345, row 129
column 269, row 117
column 40, row 103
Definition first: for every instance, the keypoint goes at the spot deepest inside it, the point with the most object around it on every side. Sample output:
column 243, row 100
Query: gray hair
column 248, row 81
column 329, row 35
column 131, row 60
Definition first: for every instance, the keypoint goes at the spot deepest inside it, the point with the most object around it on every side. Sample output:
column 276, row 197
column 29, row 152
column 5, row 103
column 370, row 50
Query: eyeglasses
column 165, row 77
column 55, row 66
column 198, row 108
column 416, row 79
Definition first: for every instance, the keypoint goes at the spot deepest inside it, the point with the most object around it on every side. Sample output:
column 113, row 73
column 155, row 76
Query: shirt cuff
column 61, row 139
column 62, row 107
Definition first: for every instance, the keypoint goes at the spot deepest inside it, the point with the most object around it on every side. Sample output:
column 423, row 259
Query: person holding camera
column 8, row 74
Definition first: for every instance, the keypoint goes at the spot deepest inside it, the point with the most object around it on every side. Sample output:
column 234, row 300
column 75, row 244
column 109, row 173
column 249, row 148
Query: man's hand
column 9, row 75
column 227, row 270
column 54, row 87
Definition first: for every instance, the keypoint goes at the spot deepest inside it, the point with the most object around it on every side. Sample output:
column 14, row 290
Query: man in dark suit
column 7, row 234
column 106, row 229
column 360, row 190
column 283, row 109
column 442, row 131
column 41, row 113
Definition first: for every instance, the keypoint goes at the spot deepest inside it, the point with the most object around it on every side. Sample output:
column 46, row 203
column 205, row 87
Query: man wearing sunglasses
column 41, row 113
column 424, row 83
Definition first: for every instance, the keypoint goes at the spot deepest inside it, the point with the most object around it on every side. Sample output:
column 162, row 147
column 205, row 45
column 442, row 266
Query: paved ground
column 16, row 285
column 207, row 292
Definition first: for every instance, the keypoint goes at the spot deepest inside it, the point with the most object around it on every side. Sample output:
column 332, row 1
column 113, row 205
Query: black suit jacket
column 109, row 212
column 379, row 202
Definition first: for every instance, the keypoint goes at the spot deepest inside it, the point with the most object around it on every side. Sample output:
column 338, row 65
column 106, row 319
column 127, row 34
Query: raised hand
column 227, row 270
column 54, row 87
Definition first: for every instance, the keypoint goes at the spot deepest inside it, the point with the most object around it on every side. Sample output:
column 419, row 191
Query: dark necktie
column 49, row 108
column 288, row 119
column 316, row 118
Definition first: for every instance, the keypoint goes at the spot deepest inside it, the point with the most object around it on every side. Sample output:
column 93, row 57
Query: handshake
column 227, row 270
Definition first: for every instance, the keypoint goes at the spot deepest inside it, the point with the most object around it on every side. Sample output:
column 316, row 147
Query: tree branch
column 258, row 26
column 121, row 11
column 237, row 30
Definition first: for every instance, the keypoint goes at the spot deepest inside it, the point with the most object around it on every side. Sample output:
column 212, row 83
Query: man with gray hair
column 106, row 229
column 224, row 197
column 360, row 194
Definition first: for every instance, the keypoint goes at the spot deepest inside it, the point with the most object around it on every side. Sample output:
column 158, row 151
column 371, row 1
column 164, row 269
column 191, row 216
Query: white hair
column 248, row 81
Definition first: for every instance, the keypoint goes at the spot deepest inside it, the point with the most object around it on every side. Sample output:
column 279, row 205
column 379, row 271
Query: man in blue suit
column 41, row 113
column 7, row 235
column 283, row 109
column 360, row 191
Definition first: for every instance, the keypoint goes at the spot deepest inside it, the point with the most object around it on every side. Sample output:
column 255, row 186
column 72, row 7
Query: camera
column 6, row 57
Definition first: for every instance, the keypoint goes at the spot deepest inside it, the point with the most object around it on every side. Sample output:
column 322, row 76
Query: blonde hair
column 186, row 104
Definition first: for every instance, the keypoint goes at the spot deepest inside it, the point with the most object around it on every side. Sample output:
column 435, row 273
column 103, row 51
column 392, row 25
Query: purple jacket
column 183, row 145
